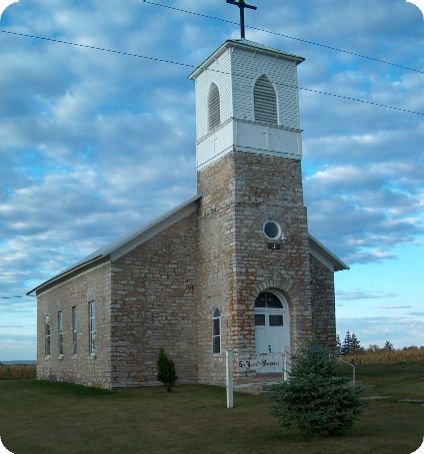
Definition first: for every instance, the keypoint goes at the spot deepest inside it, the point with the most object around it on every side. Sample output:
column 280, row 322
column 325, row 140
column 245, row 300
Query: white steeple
column 247, row 100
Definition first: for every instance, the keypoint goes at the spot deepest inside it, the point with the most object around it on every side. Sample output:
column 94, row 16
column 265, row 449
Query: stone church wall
column 270, row 188
column 323, row 306
column 240, row 193
column 216, row 266
column 153, row 306
column 92, row 285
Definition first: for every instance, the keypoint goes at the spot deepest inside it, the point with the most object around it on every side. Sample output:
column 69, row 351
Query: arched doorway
column 272, row 324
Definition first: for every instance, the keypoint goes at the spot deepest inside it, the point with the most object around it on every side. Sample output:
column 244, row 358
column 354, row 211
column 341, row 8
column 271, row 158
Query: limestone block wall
column 91, row 285
column 216, row 265
column 323, row 306
column 153, row 306
column 270, row 188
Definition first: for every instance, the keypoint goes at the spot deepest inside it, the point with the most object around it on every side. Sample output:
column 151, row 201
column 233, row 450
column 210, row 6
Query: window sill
column 60, row 357
column 216, row 355
column 75, row 356
column 92, row 356
column 47, row 357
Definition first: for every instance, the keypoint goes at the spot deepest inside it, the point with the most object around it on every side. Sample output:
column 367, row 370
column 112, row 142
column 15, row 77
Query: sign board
column 252, row 362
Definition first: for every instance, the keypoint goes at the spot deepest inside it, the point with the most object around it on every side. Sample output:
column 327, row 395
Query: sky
column 95, row 144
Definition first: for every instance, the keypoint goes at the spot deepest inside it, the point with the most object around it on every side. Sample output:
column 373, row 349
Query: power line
column 325, row 46
column 186, row 65
column 13, row 297
column 103, row 49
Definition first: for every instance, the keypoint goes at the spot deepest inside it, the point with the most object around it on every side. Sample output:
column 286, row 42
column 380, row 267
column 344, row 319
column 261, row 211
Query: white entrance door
column 271, row 327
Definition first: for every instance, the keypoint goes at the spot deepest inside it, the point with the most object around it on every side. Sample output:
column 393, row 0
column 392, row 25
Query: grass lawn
column 39, row 417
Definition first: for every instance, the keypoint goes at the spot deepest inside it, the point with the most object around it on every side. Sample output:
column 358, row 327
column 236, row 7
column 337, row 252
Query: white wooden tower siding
column 256, row 88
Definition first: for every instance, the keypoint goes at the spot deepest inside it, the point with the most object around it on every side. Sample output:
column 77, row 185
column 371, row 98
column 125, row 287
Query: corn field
column 17, row 371
column 383, row 356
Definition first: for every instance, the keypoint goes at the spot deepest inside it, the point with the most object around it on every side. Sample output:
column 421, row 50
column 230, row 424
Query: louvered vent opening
column 214, row 107
column 265, row 100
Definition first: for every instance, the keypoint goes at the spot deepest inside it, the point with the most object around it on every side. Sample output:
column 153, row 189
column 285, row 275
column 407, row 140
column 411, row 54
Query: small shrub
column 315, row 399
column 166, row 370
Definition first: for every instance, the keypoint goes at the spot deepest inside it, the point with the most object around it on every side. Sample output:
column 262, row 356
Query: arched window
column 265, row 101
column 268, row 300
column 214, row 107
column 216, row 332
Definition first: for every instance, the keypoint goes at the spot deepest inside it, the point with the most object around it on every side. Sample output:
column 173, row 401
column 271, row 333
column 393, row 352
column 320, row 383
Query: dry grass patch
column 17, row 371
column 383, row 356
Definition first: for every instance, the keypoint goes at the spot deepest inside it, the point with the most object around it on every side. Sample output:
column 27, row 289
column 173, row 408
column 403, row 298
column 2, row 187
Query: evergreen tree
column 388, row 346
column 166, row 370
column 355, row 345
column 315, row 399
column 347, row 344
column 338, row 345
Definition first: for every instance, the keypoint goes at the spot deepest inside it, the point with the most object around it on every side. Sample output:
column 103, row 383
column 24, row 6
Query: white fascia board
column 325, row 256
column 155, row 227
column 124, row 245
column 246, row 45
column 59, row 281
column 65, row 273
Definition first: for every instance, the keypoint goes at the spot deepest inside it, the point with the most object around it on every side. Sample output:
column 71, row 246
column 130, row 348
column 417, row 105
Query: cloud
column 402, row 330
column 362, row 295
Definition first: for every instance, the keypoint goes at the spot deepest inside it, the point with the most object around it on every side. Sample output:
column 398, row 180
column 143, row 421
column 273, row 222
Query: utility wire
column 326, row 46
column 186, row 65
column 12, row 297
column 103, row 49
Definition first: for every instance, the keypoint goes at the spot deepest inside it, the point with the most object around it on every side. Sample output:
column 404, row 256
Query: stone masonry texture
column 240, row 193
column 323, row 307
column 78, row 291
column 153, row 306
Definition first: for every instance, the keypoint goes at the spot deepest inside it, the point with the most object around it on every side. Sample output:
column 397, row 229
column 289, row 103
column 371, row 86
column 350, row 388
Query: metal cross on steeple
column 242, row 5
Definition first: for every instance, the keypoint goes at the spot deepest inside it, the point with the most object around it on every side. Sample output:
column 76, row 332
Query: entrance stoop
column 258, row 383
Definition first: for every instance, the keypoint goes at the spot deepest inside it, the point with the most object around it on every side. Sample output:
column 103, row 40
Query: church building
column 233, row 268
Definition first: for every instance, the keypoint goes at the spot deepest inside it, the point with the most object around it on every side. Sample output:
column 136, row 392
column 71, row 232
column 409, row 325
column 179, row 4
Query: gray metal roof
column 325, row 256
column 122, row 246
column 244, row 44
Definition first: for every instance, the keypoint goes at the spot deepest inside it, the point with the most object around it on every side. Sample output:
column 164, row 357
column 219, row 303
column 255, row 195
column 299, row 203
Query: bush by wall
column 315, row 399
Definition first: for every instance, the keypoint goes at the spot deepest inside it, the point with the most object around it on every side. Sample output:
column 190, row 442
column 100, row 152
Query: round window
column 272, row 230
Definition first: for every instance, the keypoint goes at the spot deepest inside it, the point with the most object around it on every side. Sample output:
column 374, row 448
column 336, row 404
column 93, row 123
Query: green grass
column 42, row 417
column 395, row 380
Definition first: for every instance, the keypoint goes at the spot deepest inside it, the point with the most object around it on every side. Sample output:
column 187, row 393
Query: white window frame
column 60, row 334
column 47, row 336
column 74, row 331
column 214, row 336
column 92, row 345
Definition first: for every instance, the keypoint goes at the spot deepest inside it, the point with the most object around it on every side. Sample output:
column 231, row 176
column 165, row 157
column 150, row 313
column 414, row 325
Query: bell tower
column 247, row 99
column 253, row 237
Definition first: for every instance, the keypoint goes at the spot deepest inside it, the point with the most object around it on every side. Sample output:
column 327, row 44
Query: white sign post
column 229, row 379
column 285, row 371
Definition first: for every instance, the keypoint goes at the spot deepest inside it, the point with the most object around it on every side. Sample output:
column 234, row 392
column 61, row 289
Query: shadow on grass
column 67, row 388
